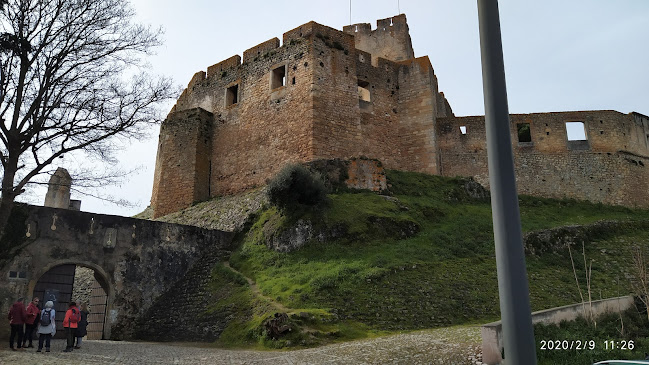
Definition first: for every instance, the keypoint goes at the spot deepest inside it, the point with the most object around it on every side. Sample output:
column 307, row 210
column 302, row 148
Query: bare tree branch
column 64, row 86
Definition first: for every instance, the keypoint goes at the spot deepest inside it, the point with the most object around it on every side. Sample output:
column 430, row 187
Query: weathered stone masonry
column 610, row 166
column 330, row 94
column 138, row 261
column 298, row 102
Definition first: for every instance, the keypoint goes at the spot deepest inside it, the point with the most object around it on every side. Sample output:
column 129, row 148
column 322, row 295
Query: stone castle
column 331, row 94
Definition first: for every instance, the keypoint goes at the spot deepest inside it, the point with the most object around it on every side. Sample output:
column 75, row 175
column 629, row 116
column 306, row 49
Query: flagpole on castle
column 517, row 330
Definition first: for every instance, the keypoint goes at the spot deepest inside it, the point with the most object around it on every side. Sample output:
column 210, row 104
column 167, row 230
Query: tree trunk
column 8, row 196
column 6, row 205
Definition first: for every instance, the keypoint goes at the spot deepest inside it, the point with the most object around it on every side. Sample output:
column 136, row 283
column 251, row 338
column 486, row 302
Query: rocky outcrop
column 304, row 230
column 555, row 240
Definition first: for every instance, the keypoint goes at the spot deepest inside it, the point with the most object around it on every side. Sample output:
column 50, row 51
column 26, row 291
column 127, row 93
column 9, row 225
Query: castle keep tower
column 322, row 94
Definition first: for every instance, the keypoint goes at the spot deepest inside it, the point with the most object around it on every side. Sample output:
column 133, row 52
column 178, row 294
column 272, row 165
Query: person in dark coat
column 83, row 324
column 17, row 316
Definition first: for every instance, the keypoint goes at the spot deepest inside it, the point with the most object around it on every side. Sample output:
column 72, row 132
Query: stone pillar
column 58, row 192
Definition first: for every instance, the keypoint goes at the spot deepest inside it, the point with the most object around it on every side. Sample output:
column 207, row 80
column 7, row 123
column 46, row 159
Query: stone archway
column 135, row 261
column 82, row 282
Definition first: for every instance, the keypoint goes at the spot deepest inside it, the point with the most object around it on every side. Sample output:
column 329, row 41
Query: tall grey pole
column 518, row 334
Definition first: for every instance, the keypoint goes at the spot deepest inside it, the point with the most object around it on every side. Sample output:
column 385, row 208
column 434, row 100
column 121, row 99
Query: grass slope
column 379, row 277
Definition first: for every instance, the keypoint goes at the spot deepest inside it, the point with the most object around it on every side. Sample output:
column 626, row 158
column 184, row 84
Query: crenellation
column 224, row 66
column 260, row 50
column 395, row 21
column 299, row 33
column 198, row 78
column 333, row 38
column 358, row 28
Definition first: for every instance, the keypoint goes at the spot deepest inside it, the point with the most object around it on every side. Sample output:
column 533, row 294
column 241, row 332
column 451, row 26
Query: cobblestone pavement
column 455, row 345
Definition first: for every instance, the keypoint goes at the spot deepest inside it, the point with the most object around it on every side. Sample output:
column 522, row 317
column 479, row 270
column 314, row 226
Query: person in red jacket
column 17, row 316
column 70, row 324
column 31, row 323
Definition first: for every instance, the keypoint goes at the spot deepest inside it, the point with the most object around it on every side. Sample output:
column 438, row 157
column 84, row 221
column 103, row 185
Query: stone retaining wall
column 492, row 338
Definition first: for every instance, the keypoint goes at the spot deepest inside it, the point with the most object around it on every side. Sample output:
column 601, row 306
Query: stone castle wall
column 608, row 167
column 297, row 102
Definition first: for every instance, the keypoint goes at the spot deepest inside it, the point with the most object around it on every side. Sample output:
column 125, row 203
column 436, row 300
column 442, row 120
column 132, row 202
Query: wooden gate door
column 97, row 308
column 56, row 285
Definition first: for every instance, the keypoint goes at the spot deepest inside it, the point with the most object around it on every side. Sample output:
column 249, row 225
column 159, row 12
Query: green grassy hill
column 422, row 257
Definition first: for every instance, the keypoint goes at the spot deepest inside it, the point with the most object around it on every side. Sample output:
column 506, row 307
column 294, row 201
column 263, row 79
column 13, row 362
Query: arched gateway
column 58, row 284
column 134, row 262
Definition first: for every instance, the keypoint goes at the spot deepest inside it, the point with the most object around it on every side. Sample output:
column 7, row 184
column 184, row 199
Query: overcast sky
column 559, row 55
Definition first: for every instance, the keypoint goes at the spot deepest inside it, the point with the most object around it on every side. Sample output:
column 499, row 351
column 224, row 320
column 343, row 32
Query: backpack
column 45, row 317
column 75, row 317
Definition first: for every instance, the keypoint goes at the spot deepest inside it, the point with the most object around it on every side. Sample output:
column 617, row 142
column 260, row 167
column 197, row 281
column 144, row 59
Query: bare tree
column 71, row 80
column 588, row 313
column 639, row 277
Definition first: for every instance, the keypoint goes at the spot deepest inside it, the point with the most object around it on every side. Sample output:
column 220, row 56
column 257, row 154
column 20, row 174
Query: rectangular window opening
column 22, row 274
column 278, row 77
column 364, row 91
column 13, row 274
column 463, row 129
column 524, row 134
column 576, row 131
column 232, row 95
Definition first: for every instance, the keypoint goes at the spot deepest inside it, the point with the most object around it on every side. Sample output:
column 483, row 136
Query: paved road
column 449, row 346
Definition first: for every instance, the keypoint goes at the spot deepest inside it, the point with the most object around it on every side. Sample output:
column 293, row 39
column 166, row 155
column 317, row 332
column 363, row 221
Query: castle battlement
column 253, row 54
column 227, row 65
column 392, row 24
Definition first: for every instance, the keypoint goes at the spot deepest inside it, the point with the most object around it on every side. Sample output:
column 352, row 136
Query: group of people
column 25, row 321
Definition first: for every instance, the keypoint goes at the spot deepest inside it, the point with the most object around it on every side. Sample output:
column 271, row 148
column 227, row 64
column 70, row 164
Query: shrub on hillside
column 295, row 185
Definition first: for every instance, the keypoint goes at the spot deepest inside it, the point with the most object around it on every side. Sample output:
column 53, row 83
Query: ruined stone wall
column 638, row 135
column 390, row 40
column 601, row 169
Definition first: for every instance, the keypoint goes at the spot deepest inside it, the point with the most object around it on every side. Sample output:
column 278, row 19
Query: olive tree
column 72, row 80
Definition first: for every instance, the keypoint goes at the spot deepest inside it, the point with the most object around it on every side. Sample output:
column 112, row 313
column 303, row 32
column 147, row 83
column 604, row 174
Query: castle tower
column 390, row 40
column 322, row 94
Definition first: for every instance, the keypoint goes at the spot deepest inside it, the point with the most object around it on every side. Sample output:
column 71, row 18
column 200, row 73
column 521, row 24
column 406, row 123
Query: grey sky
column 559, row 55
